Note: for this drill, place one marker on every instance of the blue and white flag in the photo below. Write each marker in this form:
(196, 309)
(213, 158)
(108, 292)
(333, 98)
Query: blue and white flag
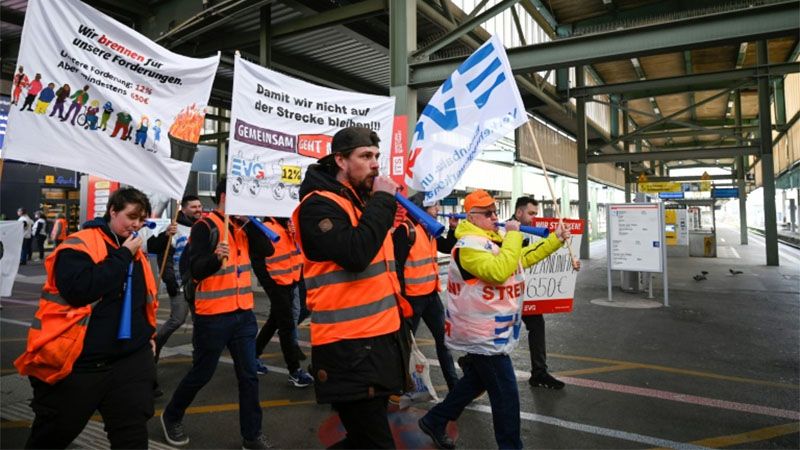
(478, 104)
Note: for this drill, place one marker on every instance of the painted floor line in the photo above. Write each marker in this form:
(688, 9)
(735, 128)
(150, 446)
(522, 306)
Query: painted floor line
(761, 434)
(696, 373)
(684, 398)
(591, 429)
(551, 420)
(591, 370)
(666, 395)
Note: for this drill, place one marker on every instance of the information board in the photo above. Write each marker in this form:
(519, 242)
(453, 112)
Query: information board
(635, 240)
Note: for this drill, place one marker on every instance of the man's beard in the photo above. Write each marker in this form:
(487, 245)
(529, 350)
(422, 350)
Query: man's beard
(363, 187)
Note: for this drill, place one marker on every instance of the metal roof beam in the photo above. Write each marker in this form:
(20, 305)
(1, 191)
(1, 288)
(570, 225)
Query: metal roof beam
(760, 22)
(678, 179)
(12, 16)
(184, 37)
(539, 12)
(722, 131)
(461, 30)
(675, 155)
(631, 90)
(337, 16)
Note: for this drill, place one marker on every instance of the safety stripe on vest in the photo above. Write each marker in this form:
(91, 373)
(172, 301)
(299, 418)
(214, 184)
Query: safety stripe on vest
(279, 258)
(420, 280)
(214, 295)
(36, 324)
(285, 271)
(73, 240)
(354, 312)
(55, 298)
(343, 276)
(421, 262)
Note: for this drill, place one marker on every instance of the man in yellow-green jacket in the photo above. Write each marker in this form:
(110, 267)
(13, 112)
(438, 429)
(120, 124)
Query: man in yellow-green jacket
(484, 309)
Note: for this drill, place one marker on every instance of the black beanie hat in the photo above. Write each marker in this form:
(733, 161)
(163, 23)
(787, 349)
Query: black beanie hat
(352, 137)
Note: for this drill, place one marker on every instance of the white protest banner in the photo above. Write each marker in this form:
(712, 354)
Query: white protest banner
(550, 284)
(11, 233)
(279, 126)
(478, 104)
(96, 96)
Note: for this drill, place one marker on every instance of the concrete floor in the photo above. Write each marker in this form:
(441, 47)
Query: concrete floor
(718, 368)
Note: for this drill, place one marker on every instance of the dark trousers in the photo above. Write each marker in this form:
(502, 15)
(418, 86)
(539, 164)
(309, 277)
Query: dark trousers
(430, 309)
(281, 320)
(495, 375)
(122, 391)
(536, 343)
(40, 238)
(212, 334)
(27, 249)
(366, 423)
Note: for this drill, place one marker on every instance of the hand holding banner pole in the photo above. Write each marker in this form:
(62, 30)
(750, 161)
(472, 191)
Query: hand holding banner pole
(552, 191)
(169, 244)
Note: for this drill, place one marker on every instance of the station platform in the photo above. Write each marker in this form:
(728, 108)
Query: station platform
(718, 368)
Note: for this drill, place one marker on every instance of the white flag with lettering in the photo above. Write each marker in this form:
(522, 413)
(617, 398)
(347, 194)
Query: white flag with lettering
(478, 104)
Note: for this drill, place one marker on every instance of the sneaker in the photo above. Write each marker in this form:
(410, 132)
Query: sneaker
(257, 443)
(546, 380)
(173, 432)
(300, 378)
(261, 369)
(441, 439)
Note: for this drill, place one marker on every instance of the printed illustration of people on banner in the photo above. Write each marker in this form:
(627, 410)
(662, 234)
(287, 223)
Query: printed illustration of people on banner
(279, 126)
(104, 92)
(477, 105)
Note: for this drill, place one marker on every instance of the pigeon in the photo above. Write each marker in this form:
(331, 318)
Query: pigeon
(699, 277)
(735, 272)
(704, 272)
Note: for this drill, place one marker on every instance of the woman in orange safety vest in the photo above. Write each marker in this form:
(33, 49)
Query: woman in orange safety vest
(75, 359)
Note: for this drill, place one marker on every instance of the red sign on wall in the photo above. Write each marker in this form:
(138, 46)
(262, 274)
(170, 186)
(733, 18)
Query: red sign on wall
(399, 151)
(99, 190)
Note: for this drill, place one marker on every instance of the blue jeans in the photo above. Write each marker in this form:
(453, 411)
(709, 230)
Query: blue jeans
(237, 331)
(430, 309)
(495, 375)
(299, 310)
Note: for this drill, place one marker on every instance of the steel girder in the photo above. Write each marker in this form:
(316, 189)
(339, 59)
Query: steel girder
(675, 155)
(761, 22)
(698, 82)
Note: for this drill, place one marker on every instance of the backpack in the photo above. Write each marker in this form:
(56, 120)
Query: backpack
(188, 283)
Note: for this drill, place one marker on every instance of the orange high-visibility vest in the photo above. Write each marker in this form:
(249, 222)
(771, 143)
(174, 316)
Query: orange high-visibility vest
(227, 289)
(62, 232)
(352, 305)
(421, 271)
(286, 264)
(55, 338)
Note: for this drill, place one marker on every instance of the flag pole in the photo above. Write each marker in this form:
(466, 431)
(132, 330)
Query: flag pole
(549, 186)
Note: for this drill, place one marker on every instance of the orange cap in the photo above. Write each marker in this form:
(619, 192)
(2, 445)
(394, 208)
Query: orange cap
(478, 199)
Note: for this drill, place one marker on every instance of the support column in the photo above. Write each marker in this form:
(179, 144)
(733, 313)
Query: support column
(767, 165)
(741, 166)
(779, 97)
(403, 41)
(583, 182)
(517, 172)
(626, 146)
(265, 36)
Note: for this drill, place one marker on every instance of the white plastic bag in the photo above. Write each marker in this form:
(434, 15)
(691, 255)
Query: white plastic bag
(420, 371)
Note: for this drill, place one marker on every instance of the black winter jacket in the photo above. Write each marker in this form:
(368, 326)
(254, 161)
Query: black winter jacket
(80, 281)
(354, 369)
